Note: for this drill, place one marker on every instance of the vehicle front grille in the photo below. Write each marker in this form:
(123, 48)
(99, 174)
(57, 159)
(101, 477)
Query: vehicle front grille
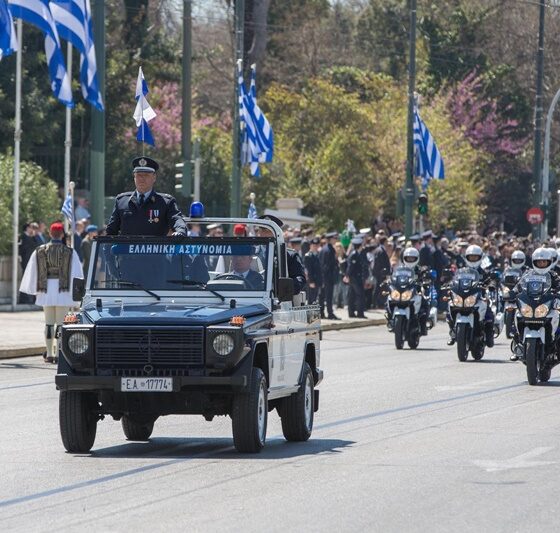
(134, 348)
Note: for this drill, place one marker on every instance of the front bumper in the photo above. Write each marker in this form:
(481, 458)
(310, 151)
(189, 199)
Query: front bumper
(67, 382)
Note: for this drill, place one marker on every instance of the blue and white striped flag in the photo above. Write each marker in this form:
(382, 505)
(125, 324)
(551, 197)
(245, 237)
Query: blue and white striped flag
(38, 13)
(73, 21)
(67, 210)
(8, 40)
(252, 213)
(258, 138)
(429, 163)
(143, 112)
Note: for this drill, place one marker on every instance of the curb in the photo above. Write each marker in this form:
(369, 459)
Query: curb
(12, 353)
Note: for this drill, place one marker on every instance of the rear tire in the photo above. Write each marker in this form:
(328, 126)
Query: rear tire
(249, 415)
(414, 339)
(297, 410)
(462, 337)
(531, 360)
(134, 430)
(477, 350)
(399, 332)
(78, 420)
(544, 375)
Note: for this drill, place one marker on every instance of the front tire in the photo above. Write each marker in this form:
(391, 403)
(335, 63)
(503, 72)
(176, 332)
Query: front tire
(78, 420)
(134, 430)
(297, 410)
(462, 337)
(509, 324)
(531, 360)
(249, 415)
(399, 331)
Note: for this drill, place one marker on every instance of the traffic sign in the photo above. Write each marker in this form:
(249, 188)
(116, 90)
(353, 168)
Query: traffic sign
(535, 215)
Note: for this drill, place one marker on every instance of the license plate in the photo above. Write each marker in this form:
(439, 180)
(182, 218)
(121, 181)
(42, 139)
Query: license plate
(147, 384)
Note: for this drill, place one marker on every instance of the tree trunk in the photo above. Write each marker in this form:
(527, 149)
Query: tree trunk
(256, 30)
(136, 23)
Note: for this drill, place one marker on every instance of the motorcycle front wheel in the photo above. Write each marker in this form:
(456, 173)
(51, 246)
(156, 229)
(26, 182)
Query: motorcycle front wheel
(508, 319)
(462, 336)
(400, 331)
(532, 360)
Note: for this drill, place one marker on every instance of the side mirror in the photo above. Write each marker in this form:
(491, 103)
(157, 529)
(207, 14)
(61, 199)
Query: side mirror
(285, 289)
(78, 289)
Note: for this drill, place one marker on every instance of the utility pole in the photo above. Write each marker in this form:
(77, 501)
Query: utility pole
(545, 200)
(186, 147)
(97, 158)
(409, 187)
(537, 160)
(235, 201)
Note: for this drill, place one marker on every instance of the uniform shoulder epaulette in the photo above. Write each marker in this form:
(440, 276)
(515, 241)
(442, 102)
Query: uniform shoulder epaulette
(123, 194)
(165, 195)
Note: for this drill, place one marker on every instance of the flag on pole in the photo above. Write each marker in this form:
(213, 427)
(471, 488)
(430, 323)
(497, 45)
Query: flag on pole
(257, 136)
(252, 213)
(8, 40)
(429, 163)
(67, 210)
(143, 112)
(73, 22)
(38, 13)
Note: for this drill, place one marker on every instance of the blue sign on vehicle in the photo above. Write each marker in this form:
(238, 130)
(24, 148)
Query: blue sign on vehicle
(183, 249)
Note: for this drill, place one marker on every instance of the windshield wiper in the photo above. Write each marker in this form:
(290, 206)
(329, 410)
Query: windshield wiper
(132, 284)
(194, 283)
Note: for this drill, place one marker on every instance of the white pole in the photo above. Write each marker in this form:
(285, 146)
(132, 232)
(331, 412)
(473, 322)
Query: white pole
(17, 141)
(71, 186)
(68, 139)
(546, 166)
(197, 162)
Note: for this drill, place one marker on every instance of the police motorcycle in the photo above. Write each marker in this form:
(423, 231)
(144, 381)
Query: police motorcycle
(537, 341)
(469, 316)
(407, 309)
(510, 279)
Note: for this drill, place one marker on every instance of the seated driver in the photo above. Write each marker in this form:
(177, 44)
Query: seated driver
(241, 266)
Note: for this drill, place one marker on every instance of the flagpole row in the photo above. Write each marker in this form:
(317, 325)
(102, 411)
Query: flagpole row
(68, 137)
(17, 142)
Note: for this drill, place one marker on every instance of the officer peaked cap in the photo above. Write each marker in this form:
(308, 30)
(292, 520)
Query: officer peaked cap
(144, 164)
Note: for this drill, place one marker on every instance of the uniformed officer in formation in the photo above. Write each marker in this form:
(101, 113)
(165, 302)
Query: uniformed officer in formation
(313, 270)
(145, 211)
(356, 276)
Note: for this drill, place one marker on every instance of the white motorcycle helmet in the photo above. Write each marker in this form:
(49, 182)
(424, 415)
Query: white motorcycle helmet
(410, 257)
(542, 260)
(518, 259)
(473, 256)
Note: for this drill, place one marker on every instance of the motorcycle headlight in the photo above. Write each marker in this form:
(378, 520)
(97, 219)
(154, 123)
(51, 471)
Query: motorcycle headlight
(395, 295)
(406, 296)
(457, 300)
(78, 343)
(526, 310)
(470, 301)
(223, 344)
(541, 311)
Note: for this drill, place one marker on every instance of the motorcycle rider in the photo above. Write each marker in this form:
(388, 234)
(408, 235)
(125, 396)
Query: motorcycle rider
(518, 260)
(543, 263)
(473, 259)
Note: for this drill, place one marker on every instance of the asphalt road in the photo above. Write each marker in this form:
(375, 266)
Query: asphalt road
(404, 441)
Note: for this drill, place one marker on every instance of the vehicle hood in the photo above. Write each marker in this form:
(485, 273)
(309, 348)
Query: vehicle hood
(170, 314)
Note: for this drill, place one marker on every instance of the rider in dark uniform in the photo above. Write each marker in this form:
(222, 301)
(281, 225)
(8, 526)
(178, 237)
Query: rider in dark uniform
(313, 270)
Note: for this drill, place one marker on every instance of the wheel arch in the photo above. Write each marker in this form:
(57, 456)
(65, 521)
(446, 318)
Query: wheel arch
(260, 358)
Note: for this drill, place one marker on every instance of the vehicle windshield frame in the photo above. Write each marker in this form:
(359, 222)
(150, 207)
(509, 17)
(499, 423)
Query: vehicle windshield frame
(186, 290)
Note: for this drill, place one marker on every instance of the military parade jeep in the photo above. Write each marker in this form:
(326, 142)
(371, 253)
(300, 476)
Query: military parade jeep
(189, 325)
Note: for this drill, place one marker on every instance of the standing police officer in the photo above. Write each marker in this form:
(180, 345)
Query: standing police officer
(145, 211)
(356, 276)
(313, 270)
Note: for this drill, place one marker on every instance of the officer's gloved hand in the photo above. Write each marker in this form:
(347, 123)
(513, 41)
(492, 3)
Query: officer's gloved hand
(177, 234)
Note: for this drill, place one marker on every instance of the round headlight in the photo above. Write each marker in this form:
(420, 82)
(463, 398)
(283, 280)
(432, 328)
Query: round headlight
(223, 344)
(541, 311)
(78, 343)
(457, 300)
(526, 311)
(406, 296)
(470, 301)
(395, 295)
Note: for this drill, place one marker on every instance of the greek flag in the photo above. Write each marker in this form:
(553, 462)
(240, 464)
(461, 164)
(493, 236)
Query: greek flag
(8, 41)
(429, 163)
(73, 21)
(258, 138)
(67, 210)
(143, 112)
(252, 213)
(38, 13)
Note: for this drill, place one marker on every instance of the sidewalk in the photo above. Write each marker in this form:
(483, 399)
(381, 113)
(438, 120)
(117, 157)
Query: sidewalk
(21, 334)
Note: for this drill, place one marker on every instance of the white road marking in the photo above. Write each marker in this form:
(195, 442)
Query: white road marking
(521, 461)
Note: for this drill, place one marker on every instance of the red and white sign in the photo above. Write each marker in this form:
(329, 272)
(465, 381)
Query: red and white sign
(535, 215)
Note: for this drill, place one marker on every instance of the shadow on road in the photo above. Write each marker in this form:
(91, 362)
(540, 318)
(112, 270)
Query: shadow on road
(216, 448)
(27, 366)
